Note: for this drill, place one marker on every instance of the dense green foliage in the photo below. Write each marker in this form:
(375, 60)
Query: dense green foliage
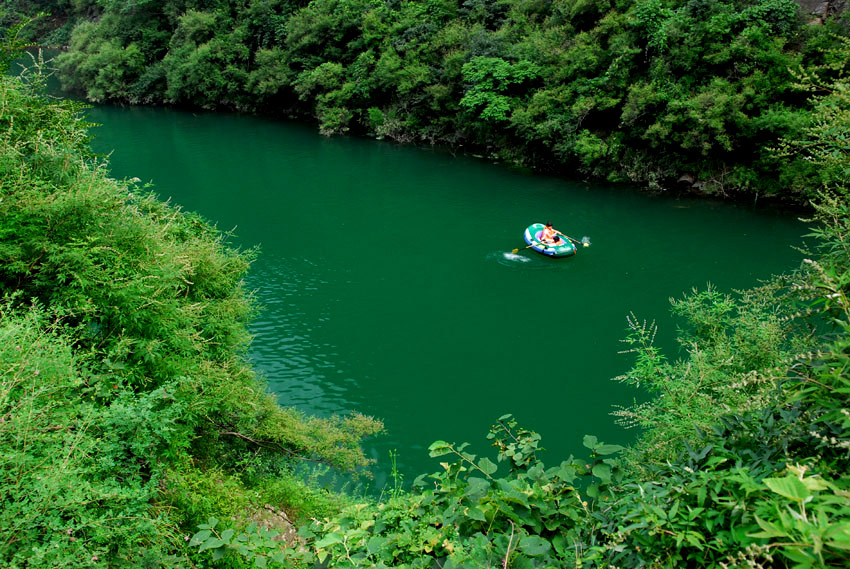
(670, 93)
(128, 413)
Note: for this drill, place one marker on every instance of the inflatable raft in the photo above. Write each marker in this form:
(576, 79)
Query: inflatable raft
(563, 248)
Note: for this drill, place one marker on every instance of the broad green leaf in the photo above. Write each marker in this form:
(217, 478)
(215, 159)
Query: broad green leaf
(375, 544)
(560, 543)
(328, 540)
(517, 496)
(439, 448)
(673, 510)
(603, 472)
(519, 562)
(695, 539)
(693, 513)
(845, 545)
(589, 441)
(715, 461)
(789, 486)
(486, 465)
(211, 522)
(815, 483)
(227, 535)
(218, 553)
(210, 543)
(261, 561)
(838, 536)
(199, 538)
(701, 495)
(661, 514)
(534, 546)
(607, 449)
(566, 473)
(477, 488)
(801, 557)
(475, 514)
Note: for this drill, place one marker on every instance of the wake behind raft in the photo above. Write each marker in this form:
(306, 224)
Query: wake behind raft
(563, 248)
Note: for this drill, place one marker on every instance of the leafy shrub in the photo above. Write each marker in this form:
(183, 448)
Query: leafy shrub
(76, 481)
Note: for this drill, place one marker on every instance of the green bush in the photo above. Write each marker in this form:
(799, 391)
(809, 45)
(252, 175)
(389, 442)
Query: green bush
(76, 480)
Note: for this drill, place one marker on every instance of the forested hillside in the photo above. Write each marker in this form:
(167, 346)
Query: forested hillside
(668, 93)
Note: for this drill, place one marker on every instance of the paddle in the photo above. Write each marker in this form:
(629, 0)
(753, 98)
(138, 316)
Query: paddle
(515, 251)
(574, 241)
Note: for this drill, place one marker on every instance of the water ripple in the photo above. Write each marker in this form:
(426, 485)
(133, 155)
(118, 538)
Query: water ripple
(527, 260)
(287, 349)
(515, 258)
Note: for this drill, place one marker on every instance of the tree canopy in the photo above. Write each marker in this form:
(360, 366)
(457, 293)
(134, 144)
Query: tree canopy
(671, 93)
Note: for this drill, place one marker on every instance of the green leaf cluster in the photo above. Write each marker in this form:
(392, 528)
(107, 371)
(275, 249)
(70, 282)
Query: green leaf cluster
(466, 516)
(255, 544)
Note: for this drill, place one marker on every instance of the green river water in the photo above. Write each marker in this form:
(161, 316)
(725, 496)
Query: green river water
(388, 286)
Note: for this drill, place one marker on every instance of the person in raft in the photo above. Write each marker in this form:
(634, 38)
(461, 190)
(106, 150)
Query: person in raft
(549, 235)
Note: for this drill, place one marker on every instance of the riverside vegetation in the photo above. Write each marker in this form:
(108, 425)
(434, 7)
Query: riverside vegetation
(134, 434)
(128, 413)
(667, 93)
